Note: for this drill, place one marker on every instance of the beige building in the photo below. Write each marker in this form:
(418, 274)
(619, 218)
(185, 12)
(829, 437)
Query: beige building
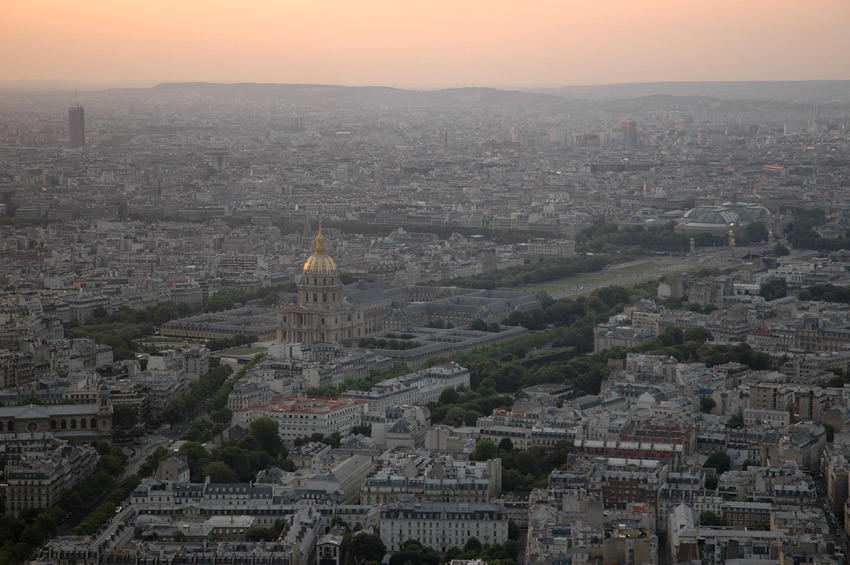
(303, 416)
(75, 422)
(38, 479)
(327, 313)
(321, 315)
(442, 525)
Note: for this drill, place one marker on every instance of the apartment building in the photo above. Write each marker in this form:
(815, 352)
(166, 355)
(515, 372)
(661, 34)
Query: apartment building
(442, 525)
(302, 416)
(37, 479)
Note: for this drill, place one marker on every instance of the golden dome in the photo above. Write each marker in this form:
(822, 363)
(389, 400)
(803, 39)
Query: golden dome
(320, 263)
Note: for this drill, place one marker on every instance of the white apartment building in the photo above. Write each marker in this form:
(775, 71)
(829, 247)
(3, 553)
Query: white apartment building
(38, 479)
(421, 387)
(302, 416)
(442, 525)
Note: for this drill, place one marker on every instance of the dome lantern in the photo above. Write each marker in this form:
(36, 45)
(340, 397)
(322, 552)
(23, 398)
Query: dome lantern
(320, 263)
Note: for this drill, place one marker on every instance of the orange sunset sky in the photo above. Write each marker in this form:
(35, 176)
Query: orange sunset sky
(425, 44)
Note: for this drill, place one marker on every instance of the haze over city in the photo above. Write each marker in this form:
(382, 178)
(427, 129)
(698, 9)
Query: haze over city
(425, 45)
(430, 283)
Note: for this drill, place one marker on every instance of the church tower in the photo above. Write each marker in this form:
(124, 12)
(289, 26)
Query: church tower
(320, 287)
(321, 315)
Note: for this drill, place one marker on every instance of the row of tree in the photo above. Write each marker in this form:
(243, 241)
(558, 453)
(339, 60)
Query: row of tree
(802, 234)
(826, 293)
(382, 343)
(550, 270)
(237, 340)
(602, 237)
(227, 300)
(219, 400)
(499, 236)
(180, 409)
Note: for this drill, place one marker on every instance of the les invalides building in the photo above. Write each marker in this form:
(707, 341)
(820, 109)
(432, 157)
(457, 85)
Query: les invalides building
(321, 315)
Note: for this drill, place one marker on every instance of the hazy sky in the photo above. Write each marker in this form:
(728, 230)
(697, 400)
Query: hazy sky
(425, 44)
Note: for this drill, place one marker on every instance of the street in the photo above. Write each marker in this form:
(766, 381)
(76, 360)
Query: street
(838, 533)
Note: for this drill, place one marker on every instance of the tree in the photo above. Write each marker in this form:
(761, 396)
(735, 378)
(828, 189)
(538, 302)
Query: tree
(259, 534)
(756, 232)
(511, 549)
(736, 421)
(780, 250)
(237, 459)
(412, 545)
(526, 462)
(513, 530)
(698, 334)
(219, 472)
(175, 412)
(268, 435)
(774, 289)
(719, 461)
(455, 416)
(677, 334)
(484, 450)
(506, 444)
(123, 417)
(830, 432)
(222, 416)
(367, 547)
(709, 518)
(196, 455)
(332, 440)
(472, 544)
(706, 404)
(448, 396)
(471, 417)
(164, 312)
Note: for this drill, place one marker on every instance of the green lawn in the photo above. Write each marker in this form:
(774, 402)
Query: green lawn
(575, 280)
(634, 269)
(593, 278)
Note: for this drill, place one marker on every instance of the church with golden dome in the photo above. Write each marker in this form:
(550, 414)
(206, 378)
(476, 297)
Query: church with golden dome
(321, 315)
(327, 313)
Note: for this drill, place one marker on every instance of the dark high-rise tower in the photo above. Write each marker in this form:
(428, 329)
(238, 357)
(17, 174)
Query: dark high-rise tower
(76, 126)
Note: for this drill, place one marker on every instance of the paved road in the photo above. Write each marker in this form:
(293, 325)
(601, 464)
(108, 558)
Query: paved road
(835, 528)
(136, 454)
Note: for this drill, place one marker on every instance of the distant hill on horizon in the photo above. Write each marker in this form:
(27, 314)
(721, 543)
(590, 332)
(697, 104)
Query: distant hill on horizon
(47, 84)
(786, 91)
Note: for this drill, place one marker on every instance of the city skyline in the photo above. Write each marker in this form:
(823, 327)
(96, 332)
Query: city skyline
(426, 46)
